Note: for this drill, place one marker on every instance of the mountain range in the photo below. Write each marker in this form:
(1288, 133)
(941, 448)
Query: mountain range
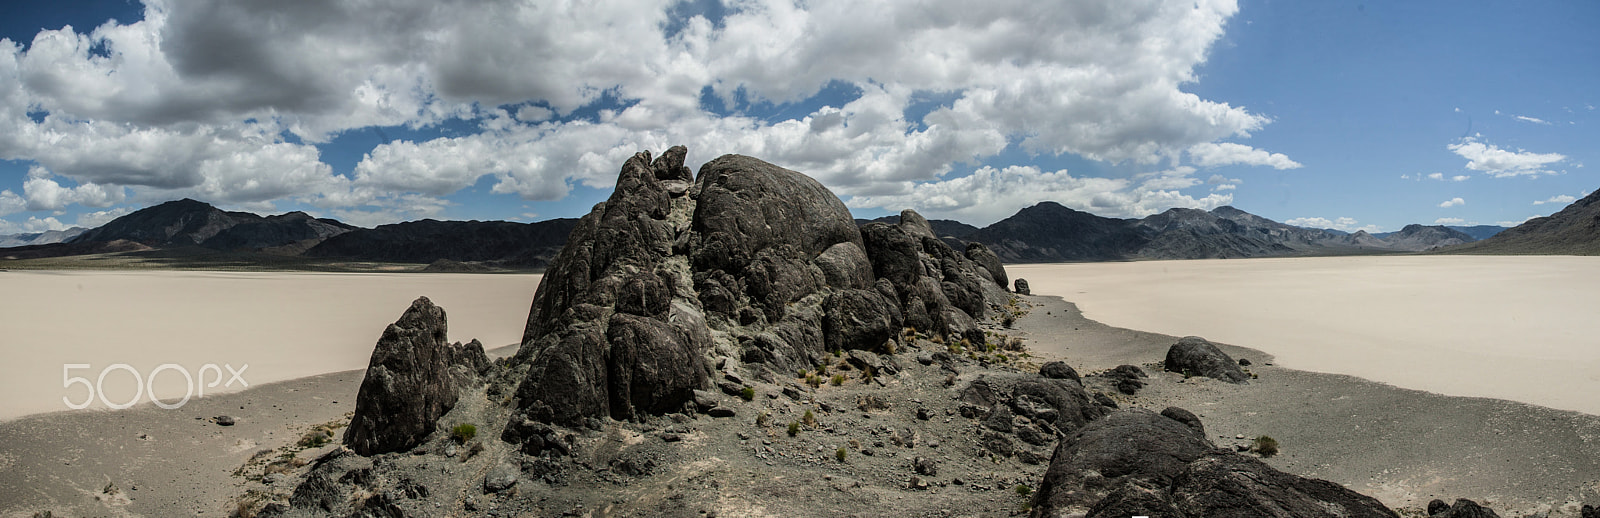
(1575, 230)
(1046, 232)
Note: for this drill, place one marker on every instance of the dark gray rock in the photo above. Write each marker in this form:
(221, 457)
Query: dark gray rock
(1184, 416)
(925, 466)
(1137, 463)
(1021, 287)
(1462, 508)
(1059, 370)
(1588, 511)
(223, 420)
(1194, 356)
(745, 205)
(859, 319)
(989, 261)
(501, 477)
(654, 369)
(414, 377)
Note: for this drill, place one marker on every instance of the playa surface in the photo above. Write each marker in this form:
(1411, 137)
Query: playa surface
(267, 326)
(1517, 328)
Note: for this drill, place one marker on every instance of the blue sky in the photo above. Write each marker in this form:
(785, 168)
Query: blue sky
(1348, 115)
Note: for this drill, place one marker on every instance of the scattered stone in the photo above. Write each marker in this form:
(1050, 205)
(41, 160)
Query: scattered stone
(721, 412)
(1195, 356)
(868, 403)
(1021, 287)
(1059, 370)
(705, 400)
(1462, 508)
(1243, 362)
(916, 483)
(501, 477)
(223, 420)
(925, 466)
(922, 414)
(670, 437)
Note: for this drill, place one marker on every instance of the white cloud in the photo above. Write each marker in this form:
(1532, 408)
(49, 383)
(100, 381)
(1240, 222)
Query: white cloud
(1562, 199)
(1449, 221)
(990, 194)
(1345, 224)
(1502, 163)
(1530, 119)
(1436, 176)
(1459, 178)
(44, 193)
(1214, 154)
(1453, 202)
(194, 100)
(95, 219)
(10, 203)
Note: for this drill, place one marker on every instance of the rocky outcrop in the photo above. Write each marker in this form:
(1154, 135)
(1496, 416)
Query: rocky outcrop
(1138, 463)
(1463, 508)
(750, 261)
(1195, 356)
(414, 377)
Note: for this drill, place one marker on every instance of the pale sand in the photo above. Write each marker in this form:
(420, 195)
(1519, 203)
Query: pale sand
(1517, 328)
(282, 325)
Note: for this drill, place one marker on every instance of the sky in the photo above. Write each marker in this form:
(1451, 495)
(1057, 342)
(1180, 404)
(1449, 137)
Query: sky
(1336, 114)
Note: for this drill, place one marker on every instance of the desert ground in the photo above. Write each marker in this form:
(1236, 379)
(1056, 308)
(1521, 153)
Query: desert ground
(1384, 439)
(283, 325)
(1517, 328)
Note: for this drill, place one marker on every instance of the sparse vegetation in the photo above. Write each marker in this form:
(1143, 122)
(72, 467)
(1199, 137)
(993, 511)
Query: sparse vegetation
(1266, 446)
(464, 432)
(1023, 490)
(809, 419)
(794, 428)
(839, 454)
(748, 393)
(838, 379)
(814, 381)
(763, 419)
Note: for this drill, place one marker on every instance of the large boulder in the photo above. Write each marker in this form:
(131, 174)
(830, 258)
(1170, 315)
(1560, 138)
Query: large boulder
(745, 205)
(1138, 463)
(414, 377)
(989, 261)
(1194, 356)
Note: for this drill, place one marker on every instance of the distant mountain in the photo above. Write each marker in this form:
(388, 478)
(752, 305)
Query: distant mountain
(1478, 232)
(427, 241)
(1574, 230)
(1050, 232)
(188, 222)
(40, 238)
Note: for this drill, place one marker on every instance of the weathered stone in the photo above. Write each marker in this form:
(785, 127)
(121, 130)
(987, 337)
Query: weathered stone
(501, 477)
(846, 266)
(989, 261)
(414, 377)
(1184, 416)
(859, 319)
(1020, 286)
(654, 369)
(223, 420)
(1059, 370)
(1194, 356)
(925, 466)
(1462, 508)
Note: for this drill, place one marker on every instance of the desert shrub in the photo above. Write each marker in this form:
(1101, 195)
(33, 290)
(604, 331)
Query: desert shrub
(814, 380)
(866, 375)
(838, 379)
(809, 419)
(794, 428)
(1023, 489)
(839, 454)
(1008, 320)
(464, 432)
(747, 393)
(763, 419)
(989, 347)
(936, 339)
(316, 437)
(803, 373)
(1266, 446)
(822, 370)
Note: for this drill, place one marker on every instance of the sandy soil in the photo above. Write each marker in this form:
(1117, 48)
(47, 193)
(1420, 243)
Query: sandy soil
(282, 325)
(1517, 328)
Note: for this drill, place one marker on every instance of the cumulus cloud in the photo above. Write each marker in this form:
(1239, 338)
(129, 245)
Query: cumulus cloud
(1449, 221)
(1561, 199)
(1225, 153)
(196, 98)
(10, 203)
(1500, 163)
(1345, 224)
(1453, 202)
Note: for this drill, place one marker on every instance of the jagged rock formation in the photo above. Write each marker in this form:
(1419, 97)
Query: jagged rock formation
(1138, 463)
(414, 377)
(1195, 356)
(751, 261)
